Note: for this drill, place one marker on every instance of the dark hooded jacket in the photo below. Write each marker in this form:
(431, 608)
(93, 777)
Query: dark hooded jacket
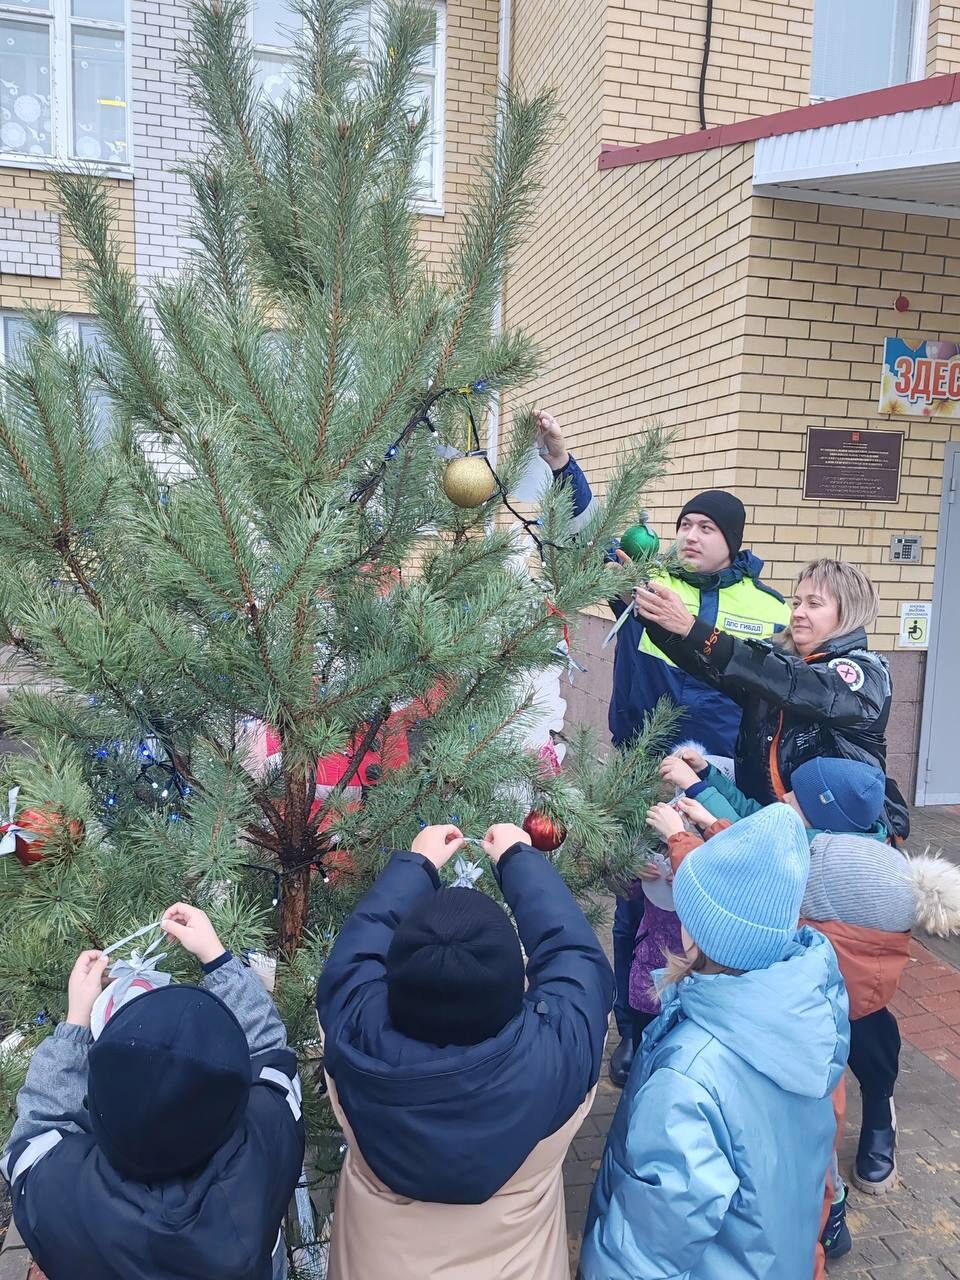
(833, 703)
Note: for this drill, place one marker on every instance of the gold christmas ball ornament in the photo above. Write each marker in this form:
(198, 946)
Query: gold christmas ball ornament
(469, 482)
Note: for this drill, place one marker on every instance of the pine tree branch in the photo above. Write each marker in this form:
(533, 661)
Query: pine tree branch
(188, 351)
(30, 530)
(381, 411)
(261, 402)
(336, 301)
(111, 288)
(80, 414)
(102, 501)
(297, 573)
(176, 545)
(218, 62)
(494, 733)
(19, 643)
(289, 177)
(299, 631)
(165, 649)
(78, 572)
(19, 461)
(393, 283)
(233, 542)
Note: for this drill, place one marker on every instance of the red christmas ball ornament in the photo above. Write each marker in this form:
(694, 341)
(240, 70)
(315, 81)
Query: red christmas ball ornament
(546, 833)
(37, 827)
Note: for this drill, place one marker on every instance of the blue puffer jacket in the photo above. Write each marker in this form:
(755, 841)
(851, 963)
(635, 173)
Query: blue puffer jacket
(714, 1167)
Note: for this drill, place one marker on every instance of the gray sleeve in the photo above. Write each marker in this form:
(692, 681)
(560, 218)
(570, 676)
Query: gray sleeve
(56, 1085)
(246, 997)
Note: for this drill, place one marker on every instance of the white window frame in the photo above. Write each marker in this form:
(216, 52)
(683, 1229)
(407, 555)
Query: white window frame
(919, 37)
(919, 40)
(431, 204)
(59, 18)
(68, 326)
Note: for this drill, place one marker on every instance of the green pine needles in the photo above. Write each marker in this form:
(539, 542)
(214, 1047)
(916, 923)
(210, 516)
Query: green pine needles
(223, 562)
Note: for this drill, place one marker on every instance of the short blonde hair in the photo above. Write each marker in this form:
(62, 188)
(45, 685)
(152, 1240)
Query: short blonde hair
(858, 602)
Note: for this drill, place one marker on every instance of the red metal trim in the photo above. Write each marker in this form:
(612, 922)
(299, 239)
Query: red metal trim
(859, 106)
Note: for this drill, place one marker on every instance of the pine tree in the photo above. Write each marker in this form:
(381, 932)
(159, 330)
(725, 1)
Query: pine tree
(263, 538)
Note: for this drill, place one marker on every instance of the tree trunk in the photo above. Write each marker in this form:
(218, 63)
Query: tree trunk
(294, 904)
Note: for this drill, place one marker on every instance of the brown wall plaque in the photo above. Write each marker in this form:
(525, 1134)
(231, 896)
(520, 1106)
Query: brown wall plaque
(850, 465)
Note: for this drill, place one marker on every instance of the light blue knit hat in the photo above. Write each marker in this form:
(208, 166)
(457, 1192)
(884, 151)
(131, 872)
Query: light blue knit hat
(738, 895)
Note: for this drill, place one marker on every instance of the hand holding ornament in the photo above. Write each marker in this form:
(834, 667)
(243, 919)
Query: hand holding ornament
(501, 837)
(438, 843)
(85, 985)
(191, 927)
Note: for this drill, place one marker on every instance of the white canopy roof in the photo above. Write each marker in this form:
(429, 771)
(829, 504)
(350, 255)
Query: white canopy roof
(907, 161)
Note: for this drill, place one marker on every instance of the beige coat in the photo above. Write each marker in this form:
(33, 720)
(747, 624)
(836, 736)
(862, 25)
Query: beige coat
(519, 1234)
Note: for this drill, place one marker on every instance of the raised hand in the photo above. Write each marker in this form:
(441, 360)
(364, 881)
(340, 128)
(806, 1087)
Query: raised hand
(678, 773)
(85, 984)
(665, 820)
(697, 813)
(501, 837)
(659, 604)
(692, 757)
(550, 440)
(438, 844)
(192, 929)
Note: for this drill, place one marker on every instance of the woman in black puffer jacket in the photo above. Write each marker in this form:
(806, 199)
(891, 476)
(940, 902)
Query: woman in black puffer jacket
(815, 690)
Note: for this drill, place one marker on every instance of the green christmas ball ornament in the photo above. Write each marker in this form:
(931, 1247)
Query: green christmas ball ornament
(639, 541)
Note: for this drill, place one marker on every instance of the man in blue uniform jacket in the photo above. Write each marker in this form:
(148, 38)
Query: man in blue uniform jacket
(720, 584)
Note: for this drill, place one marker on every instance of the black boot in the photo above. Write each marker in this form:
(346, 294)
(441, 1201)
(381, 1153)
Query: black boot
(875, 1168)
(836, 1235)
(621, 1061)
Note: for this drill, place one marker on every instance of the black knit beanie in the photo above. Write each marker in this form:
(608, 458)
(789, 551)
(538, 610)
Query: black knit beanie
(454, 970)
(725, 510)
(167, 1082)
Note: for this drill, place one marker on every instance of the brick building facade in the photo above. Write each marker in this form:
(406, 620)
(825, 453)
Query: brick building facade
(664, 286)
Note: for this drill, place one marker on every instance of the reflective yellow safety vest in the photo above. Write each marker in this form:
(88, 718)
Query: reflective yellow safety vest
(738, 604)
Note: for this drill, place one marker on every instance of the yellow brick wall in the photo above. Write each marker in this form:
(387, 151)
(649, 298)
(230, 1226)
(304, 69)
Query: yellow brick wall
(634, 285)
(943, 45)
(469, 105)
(470, 111)
(823, 281)
(33, 189)
(759, 63)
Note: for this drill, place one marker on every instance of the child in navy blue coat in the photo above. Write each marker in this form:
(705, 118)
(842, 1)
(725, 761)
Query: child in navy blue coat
(459, 1075)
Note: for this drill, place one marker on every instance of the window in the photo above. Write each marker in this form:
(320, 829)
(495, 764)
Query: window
(274, 27)
(16, 330)
(63, 80)
(859, 45)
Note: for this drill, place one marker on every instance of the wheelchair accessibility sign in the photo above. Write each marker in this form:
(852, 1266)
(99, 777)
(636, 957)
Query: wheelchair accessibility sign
(915, 624)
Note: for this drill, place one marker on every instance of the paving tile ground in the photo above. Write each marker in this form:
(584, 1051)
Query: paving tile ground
(913, 1233)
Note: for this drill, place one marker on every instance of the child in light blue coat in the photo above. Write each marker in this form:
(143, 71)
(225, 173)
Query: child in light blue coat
(714, 1166)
